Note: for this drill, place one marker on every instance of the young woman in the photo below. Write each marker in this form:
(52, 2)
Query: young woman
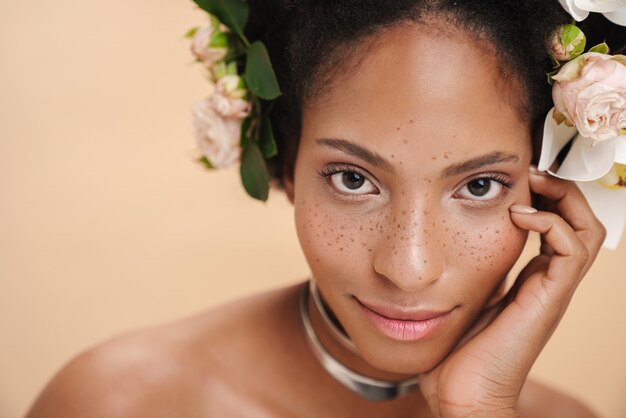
(406, 136)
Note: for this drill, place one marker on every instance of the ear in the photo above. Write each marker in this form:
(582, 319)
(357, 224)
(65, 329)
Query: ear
(289, 188)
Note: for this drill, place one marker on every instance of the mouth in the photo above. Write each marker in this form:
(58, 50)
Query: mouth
(404, 325)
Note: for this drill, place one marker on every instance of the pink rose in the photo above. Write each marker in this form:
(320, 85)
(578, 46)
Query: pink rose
(590, 93)
(203, 51)
(217, 138)
(227, 98)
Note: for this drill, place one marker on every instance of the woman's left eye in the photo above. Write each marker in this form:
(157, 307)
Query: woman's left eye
(484, 188)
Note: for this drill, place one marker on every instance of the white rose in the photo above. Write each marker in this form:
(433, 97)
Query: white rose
(217, 138)
(227, 98)
(614, 10)
(201, 49)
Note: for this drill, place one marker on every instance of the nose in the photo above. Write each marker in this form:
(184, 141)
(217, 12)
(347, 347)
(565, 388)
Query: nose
(411, 254)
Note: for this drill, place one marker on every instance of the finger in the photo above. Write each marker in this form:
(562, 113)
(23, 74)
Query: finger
(570, 203)
(565, 267)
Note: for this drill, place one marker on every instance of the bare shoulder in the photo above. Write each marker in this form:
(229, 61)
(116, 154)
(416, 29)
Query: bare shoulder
(172, 369)
(539, 400)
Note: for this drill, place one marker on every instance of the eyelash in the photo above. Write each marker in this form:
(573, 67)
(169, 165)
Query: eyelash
(328, 171)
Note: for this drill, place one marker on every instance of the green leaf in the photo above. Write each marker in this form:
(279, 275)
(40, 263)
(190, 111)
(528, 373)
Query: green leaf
(233, 13)
(206, 163)
(254, 175)
(218, 39)
(550, 74)
(191, 32)
(259, 75)
(243, 138)
(602, 48)
(267, 142)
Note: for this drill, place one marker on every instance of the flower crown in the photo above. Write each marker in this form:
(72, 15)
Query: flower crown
(587, 123)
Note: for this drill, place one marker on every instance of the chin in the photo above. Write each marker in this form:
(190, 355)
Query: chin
(409, 358)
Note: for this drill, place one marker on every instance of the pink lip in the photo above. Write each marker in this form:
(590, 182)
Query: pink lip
(404, 325)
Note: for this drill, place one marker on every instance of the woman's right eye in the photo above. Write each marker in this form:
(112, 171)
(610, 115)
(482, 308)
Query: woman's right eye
(349, 181)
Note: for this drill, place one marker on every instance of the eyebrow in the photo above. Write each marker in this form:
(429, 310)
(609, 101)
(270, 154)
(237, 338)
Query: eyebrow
(480, 161)
(379, 161)
(356, 150)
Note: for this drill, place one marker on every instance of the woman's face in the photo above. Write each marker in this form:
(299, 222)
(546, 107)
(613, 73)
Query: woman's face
(404, 177)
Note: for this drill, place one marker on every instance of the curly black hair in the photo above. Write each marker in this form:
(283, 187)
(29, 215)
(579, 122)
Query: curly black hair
(311, 41)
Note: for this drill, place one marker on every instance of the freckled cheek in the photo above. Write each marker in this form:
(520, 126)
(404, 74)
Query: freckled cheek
(486, 247)
(329, 240)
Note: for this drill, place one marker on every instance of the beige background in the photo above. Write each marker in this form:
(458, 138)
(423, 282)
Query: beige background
(106, 225)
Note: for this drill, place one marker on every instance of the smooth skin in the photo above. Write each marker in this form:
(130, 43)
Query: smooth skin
(249, 357)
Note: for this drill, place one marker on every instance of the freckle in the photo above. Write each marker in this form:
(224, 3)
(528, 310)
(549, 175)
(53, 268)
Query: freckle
(419, 278)
(461, 254)
(405, 141)
(315, 215)
(400, 162)
(480, 236)
(443, 221)
(308, 241)
(360, 228)
(430, 181)
(397, 128)
(497, 231)
(369, 249)
(330, 244)
(411, 120)
(371, 229)
(395, 253)
(404, 212)
(433, 158)
(341, 236)
(317, 204)
(426, 212)
(393, 156)
(317, 260)
(352, 239)
(340, 248)
(425, 261)
(444, 245)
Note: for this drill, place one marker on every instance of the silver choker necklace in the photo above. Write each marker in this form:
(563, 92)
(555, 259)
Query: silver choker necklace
(369, 388)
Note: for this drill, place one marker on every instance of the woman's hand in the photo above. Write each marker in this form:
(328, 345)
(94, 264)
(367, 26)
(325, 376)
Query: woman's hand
(485, 373)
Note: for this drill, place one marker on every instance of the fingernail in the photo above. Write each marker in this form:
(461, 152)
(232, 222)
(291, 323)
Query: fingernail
(522, 209)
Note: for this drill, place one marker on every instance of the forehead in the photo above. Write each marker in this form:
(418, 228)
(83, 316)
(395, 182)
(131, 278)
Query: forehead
(435, 87)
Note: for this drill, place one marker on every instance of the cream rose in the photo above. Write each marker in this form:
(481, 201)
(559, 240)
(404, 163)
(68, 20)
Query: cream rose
(614, 10)
(227, 98)
(217, 137)
(590, 93)
(203, 51)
